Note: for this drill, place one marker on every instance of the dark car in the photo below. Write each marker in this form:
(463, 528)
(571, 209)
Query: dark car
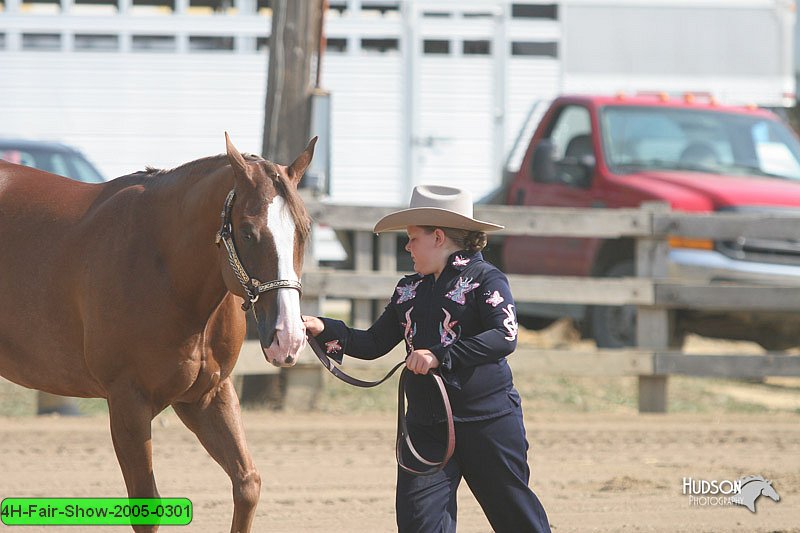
(53, 157)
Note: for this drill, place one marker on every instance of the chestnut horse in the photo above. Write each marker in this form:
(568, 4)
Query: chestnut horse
(121, 291)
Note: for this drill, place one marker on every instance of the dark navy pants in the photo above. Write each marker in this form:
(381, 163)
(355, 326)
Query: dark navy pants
(491, 455)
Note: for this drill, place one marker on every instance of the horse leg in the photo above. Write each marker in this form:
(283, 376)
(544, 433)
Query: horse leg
(130, 417)
(218, 426)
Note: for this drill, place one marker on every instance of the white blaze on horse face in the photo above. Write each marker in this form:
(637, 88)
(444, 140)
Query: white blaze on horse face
(289, 331)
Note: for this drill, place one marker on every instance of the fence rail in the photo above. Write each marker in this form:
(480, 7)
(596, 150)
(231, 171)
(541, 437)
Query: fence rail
(653, 221)
(374, 276)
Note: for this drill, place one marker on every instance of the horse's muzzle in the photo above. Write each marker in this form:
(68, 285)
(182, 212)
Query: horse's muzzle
(285, 348)
(281, 340)
(280, 326)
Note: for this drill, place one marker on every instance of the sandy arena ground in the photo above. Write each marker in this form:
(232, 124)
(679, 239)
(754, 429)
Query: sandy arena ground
(322, 473)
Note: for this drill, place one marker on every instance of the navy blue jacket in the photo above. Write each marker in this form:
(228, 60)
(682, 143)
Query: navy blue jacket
(466, 318)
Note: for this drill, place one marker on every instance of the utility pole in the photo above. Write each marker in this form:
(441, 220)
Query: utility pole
(294, 57)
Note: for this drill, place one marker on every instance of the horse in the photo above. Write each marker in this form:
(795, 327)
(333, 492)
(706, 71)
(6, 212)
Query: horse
(123, 291)
(752, 487)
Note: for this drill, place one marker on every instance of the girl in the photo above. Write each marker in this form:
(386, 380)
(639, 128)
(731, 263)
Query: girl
(456, 316)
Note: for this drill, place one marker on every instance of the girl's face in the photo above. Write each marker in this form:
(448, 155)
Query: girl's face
(428, 250)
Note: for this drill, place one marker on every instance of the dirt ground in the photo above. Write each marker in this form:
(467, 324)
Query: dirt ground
(597, 465)
(324, 473)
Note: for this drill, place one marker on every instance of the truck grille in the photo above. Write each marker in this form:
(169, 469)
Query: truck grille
(762, 250)
(775, 251)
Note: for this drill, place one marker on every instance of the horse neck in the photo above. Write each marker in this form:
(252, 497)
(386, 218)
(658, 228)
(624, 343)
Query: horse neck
(192, 205)
(753, 488)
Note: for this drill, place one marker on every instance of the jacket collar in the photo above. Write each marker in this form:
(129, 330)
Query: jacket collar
(461, 259)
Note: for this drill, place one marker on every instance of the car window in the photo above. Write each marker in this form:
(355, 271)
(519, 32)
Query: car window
(70, 164)
(83, 171)
(19, 157)
(57, 164)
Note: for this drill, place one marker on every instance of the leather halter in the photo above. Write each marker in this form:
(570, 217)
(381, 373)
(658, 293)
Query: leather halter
(402, 427)
(252, 286)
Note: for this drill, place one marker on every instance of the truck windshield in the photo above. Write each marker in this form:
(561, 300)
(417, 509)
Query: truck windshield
(641, 137)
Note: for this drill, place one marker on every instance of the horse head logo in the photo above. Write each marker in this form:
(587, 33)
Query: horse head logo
(751, 488)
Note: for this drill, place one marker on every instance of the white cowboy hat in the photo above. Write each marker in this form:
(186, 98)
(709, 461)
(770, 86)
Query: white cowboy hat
(436, 205)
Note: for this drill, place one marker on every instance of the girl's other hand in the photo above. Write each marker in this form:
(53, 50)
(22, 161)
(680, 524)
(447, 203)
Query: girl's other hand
(421, 361)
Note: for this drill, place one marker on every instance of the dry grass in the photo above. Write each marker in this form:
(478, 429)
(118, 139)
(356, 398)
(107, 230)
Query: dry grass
(540, 393)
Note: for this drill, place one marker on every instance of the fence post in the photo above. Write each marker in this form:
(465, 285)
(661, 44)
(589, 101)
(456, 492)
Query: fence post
(311, 305)
(387, 262)
(363, 251)
(652, 322)
(304, 381)
(387, 246)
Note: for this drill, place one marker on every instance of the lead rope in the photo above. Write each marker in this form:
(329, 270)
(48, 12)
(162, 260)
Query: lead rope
(402, 427)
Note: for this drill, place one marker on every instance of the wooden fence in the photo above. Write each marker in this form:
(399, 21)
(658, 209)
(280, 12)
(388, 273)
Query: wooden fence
(650, 291)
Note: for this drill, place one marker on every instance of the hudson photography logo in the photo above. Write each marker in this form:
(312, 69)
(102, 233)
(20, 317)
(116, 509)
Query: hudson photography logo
(728, 492)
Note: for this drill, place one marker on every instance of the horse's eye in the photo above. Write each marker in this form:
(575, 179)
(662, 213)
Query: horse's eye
(247, 235)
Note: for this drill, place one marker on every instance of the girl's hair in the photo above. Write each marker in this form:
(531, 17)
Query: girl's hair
(471, 241)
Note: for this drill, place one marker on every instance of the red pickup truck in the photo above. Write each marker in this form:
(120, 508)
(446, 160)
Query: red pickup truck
(696, 155)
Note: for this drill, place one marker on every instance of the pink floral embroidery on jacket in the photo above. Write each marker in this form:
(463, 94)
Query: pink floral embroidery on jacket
(407, 292)
(510, 322)
(409, 330)
(463, 286)
(333, 346)
(446, 334)
(495, 299)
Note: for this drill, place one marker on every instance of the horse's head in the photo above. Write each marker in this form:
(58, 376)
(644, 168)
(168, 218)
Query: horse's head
(768, 490)
(269, 227)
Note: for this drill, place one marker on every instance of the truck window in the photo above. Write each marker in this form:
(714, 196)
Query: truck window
(573, 121)
(573, 153)
(773, 155)
(638, 138)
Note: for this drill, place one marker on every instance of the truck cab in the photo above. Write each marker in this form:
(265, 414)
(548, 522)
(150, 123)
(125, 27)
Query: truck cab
(689, 152)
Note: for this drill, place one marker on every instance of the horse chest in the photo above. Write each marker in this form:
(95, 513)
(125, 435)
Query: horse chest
(209, 367)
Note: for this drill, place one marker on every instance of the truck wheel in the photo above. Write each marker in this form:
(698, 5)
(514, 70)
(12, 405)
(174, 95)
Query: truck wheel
(775, 343)
(535, 323)
(614, 326)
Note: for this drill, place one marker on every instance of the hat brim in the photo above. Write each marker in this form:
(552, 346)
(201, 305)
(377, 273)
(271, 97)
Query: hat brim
(431, 216)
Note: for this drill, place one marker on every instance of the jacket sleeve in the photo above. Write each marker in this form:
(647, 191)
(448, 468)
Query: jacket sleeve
(499, 320)
(337, 339)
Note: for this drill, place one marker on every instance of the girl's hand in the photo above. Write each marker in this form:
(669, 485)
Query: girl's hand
(313, 325)
(421, 361)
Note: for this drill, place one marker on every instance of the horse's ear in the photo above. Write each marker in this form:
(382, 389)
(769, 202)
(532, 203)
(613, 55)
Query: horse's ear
(299, 166)
(235, 159)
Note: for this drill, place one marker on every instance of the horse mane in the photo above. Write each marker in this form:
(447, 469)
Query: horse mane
(745, 480)
(214, 160)
(285, 189)
(296, 206)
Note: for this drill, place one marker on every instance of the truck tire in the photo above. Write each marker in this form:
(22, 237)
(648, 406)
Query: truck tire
(614, 326)
(535, 323)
